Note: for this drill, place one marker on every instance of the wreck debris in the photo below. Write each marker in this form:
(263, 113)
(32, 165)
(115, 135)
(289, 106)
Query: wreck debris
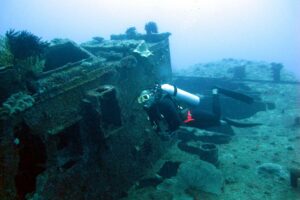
(143, 50)
(294, 177)
(62, 52)
(276, 71)
(85, 113)
(76, 110)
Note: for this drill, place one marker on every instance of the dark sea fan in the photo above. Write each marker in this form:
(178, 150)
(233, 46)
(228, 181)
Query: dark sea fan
(23, 44)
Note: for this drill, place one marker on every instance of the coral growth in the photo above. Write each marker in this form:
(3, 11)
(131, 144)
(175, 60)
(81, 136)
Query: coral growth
(6, 58)
(151, 28)
(31, 66)
(194, 175)
(129, 62)
(272, 170)
(131, 32)
(16, 103)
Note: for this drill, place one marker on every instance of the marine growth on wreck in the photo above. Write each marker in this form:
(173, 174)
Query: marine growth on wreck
(72, 126)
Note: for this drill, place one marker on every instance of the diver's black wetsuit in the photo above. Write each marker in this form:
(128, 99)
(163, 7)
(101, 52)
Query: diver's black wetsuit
(162, 105)
(203, 119)
(166, 107)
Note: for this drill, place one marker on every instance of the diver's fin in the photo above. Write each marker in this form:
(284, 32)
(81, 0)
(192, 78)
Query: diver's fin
(236, 95)
(240, 124)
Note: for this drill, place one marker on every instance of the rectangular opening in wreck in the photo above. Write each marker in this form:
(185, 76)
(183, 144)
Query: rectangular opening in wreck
(32, 160)
(104, 99)
(69, 147)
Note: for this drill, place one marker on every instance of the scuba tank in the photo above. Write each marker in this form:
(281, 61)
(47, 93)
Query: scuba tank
(181, 95)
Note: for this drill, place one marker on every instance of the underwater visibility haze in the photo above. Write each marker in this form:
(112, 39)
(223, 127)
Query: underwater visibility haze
(151, 100)
(202, 31)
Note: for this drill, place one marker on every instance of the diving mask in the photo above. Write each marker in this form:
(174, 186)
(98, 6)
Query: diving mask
(144, 97)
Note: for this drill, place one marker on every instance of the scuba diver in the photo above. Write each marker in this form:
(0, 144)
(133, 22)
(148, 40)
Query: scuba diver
(161, 104)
